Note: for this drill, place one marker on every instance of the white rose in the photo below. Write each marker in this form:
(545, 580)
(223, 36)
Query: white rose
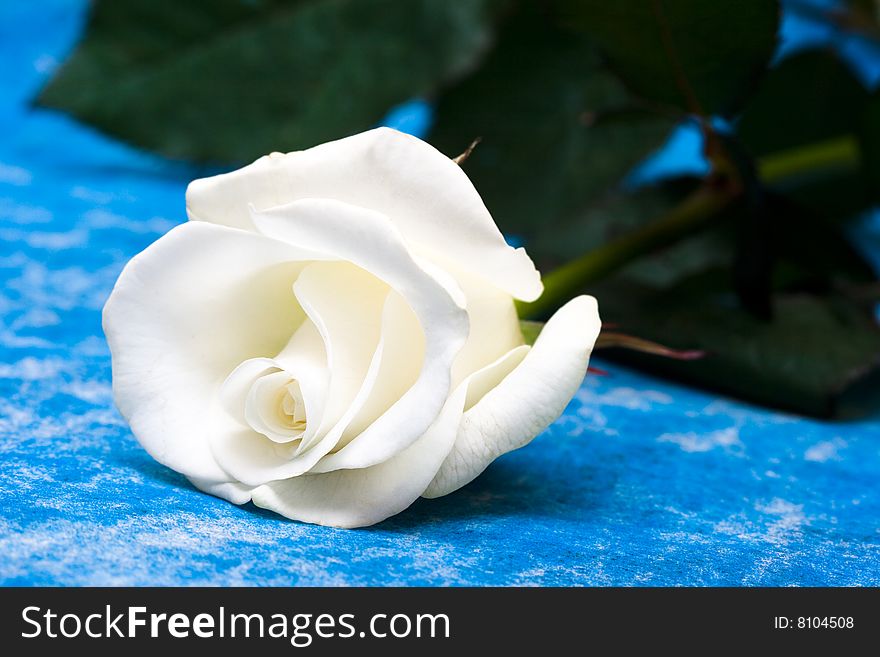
(333, 334)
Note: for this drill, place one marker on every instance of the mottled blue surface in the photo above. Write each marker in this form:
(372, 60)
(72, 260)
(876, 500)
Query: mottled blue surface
(640, 482)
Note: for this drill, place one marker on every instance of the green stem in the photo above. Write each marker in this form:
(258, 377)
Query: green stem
(690, 216)
(835, 154)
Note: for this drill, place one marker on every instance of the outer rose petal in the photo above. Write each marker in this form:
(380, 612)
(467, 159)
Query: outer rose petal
(228, 490)
(527, 400)
(494, 326)
(365, 496)
(184, 313)
(425, 194)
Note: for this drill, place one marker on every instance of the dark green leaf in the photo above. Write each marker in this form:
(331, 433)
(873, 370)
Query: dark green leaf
(606, 218)
(819, 249)
(814, 351)
(805, 124)
(783, 245)
(808, 253)
(557, 129)
(835, 196)
(709, 248)
(231, 80)
(698, 56)
(809, 98)
(758, 241)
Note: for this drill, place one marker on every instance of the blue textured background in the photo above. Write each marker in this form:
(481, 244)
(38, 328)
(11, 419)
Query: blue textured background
(640, 482)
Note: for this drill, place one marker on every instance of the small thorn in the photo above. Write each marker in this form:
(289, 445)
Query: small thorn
(467, 152)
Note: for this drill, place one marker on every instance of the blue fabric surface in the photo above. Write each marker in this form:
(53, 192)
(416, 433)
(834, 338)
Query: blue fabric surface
(640, 482)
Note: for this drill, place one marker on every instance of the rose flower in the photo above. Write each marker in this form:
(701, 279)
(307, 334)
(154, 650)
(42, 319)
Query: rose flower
(333, 334)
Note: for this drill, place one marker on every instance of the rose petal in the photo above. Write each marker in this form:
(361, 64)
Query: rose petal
(345, 304)
(527, 400)
(370, 240)
(305, 357)
(425, 194)
(494, 326)
(483, 380)
(231, 491)
(402, 347)
(247, 455)
(362, 497)
(236, 386)
(263, 407)
(184, 313)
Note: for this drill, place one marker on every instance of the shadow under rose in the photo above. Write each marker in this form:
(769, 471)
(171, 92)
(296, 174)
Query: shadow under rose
(508, 487)
(159, 474)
